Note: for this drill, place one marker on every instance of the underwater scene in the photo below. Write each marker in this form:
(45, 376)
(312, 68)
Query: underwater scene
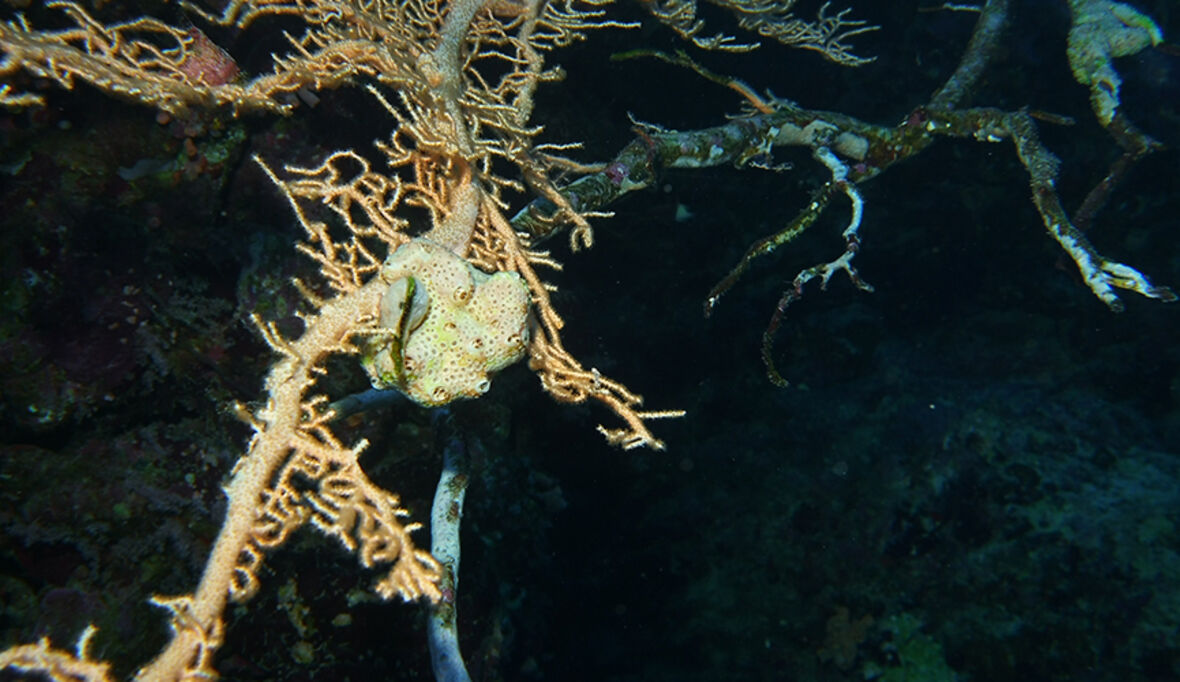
(573, 340)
